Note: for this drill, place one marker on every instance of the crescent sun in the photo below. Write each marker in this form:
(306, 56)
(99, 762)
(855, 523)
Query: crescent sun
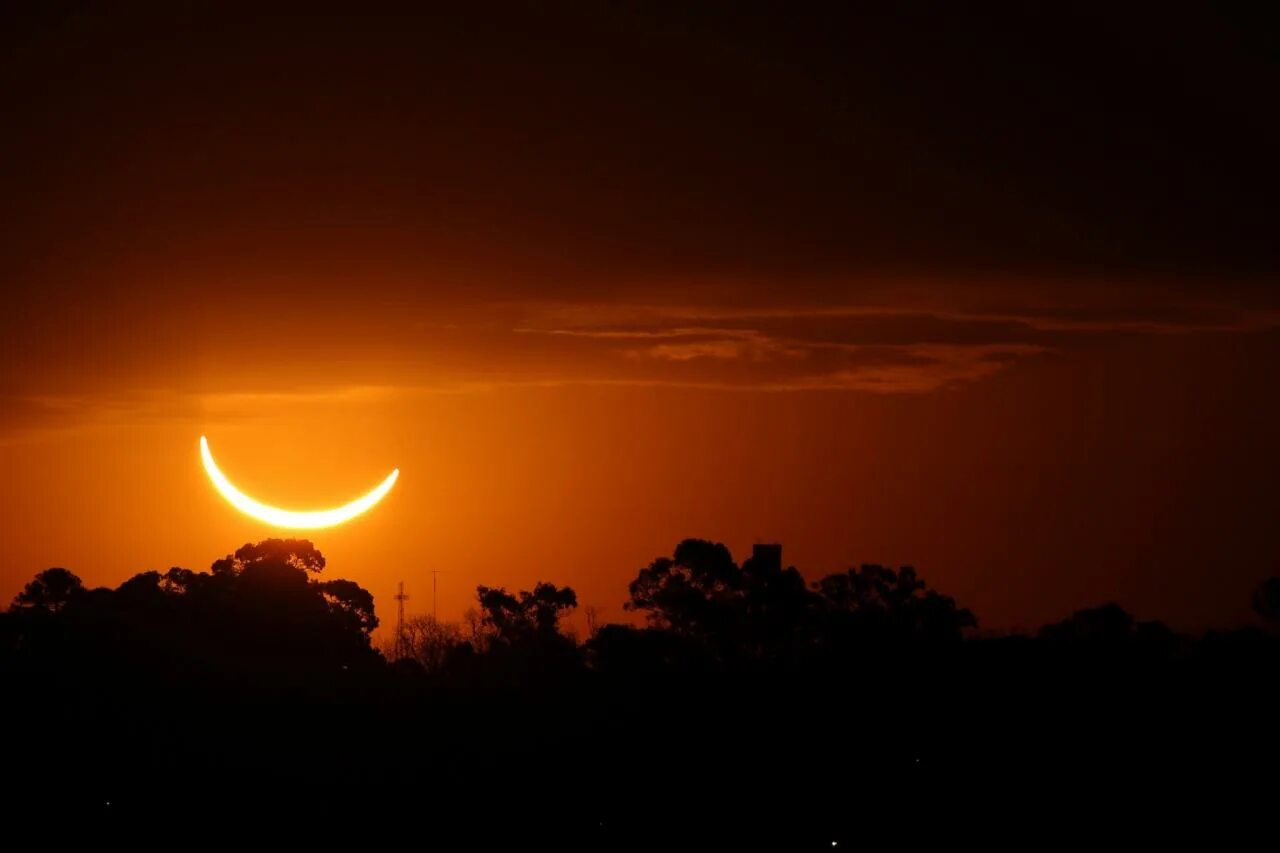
(309, 520)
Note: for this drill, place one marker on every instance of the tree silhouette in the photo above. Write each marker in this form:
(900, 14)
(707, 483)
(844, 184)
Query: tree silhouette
(350, 601)
(180, 581)
(261, 608)
(1266, 601)
(430, 642)
(517, 643)
(546, 604)
(1092, 627)
(260, 670)
(273, 555)
(778, 610)
(50, 590)
(529, 616)
(765, 614)
(1109, 641)
(695, 592)
(876, 603)
(142, 589)
(501, 614)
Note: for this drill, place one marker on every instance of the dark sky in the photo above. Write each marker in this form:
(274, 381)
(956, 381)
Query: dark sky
(667, 137)
(1045, 237)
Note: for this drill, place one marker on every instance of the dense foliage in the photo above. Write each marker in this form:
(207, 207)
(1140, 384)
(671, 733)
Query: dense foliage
(746, 684)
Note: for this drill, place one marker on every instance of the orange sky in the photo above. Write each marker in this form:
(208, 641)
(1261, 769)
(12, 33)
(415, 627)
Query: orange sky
(1118, 468)
(600, 283)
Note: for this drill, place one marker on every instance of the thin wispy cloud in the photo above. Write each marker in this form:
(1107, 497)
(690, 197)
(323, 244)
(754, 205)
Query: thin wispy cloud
(877, 349)
(883, 349)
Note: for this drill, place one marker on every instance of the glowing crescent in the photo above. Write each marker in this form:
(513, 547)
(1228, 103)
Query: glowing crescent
(289, 518)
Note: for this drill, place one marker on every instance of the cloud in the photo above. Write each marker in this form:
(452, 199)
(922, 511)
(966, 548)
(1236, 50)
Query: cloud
(28, 416)
(910, 346)
(883, 349)
(639, 321)
(916, 369)
(720, 344)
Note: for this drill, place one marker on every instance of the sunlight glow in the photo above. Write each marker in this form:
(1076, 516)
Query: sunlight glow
(289, 518)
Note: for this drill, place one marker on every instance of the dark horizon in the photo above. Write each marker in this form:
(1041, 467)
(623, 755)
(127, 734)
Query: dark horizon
(866, 689)
(423, 590)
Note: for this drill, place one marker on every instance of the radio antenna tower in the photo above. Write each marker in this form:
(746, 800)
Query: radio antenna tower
(435, 603)
(402, 641)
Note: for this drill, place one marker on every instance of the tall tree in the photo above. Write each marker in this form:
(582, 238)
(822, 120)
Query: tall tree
(50, 590)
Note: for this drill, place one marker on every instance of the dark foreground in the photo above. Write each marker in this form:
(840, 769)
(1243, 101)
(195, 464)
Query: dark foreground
(755, 714)
(777, 760)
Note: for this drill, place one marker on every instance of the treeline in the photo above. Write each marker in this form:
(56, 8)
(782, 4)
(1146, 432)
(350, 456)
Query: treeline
(705, 614)
(261, 674)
